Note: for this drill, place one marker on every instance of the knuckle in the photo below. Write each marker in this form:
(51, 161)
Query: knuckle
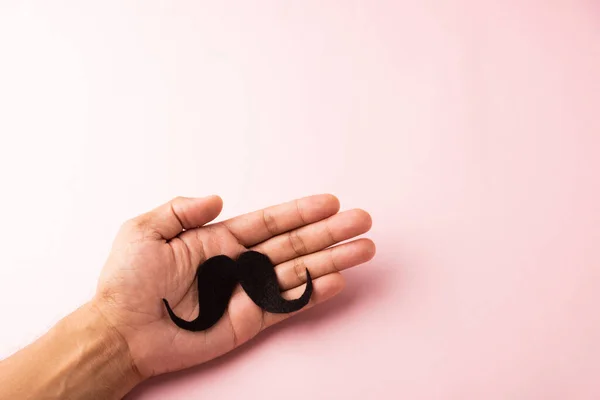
(108, 296)
(299, 212)
(270, 223)
(177, 199)
(134, 224)
(297, 243)
(299, 269)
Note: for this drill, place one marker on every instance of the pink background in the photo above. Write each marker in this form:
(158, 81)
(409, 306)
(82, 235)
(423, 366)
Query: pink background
(469, 129)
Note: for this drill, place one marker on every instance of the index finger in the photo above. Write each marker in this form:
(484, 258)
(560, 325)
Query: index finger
(258, 226)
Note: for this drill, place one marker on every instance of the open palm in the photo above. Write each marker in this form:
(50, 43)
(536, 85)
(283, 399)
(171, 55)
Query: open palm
(156, 256)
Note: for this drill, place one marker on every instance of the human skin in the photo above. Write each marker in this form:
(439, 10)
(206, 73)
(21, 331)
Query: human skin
(123, 335)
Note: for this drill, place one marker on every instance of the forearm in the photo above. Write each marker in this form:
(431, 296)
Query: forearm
(82, 357)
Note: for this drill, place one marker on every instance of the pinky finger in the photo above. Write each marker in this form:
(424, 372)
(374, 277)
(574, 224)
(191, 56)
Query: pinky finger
(324, 288)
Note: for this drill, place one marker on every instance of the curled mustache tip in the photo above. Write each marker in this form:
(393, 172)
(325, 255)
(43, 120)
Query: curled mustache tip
(168, 307)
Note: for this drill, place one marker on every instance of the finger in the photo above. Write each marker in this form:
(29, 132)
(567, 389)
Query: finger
(317, 236)
(170, 219)
(324, 288)
(257, 226)
(335, 259)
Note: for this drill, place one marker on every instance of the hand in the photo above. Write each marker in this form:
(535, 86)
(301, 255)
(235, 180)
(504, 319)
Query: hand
(156, 256)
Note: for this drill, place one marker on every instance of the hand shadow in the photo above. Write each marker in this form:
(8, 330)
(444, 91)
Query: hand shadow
(363, 287)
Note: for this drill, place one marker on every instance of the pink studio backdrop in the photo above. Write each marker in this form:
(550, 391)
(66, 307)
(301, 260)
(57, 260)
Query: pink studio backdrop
(469, 129)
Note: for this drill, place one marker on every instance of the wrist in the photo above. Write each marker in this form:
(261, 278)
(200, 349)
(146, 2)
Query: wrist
(102, 353)
(81, 357)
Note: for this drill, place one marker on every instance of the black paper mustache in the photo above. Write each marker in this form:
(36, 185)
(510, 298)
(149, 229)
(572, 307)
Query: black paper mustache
(217, 278)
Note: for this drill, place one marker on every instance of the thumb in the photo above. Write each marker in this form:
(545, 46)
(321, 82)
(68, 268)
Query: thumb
(170, 219)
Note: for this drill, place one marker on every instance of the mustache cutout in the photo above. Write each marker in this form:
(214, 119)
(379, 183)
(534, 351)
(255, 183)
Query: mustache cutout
(217, 278)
